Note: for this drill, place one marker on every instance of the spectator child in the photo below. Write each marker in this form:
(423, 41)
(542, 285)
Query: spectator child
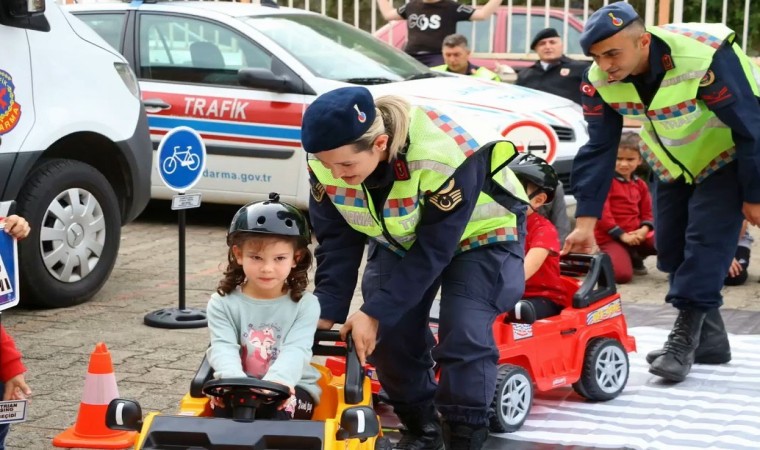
(625, 231)
(261, 320)
(544, 295)
(12, 370)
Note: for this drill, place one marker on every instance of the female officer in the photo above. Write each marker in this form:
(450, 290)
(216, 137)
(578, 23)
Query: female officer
(441, 210)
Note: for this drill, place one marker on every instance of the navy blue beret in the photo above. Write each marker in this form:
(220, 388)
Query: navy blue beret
(606, 22)
(543, 34)
(337, 118)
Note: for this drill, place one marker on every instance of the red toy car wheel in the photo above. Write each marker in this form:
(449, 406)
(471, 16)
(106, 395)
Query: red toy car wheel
(513, 399)
(605, 370)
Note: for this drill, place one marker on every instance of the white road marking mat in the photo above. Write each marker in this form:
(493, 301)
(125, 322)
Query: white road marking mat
(716, 407)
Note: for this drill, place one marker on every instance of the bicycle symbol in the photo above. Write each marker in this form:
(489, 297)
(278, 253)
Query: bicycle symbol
(183, 158)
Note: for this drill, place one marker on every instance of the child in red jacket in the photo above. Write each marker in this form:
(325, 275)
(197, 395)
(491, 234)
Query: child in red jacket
(12, 370)
(626, 230)
(544, 293)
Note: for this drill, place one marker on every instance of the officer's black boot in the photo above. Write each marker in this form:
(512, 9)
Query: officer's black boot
(422, 428)
(676, 362)
(460, 436)
(713, 348)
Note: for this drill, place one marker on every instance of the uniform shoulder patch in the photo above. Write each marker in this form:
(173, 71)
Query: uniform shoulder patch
(318, 191)
(707, 79)
(447, 198)
(588, 89)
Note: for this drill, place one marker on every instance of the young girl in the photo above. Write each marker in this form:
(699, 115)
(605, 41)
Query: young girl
(625, 231)
(261, 320)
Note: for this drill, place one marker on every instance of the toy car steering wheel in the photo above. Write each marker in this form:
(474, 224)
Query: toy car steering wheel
(264, 391)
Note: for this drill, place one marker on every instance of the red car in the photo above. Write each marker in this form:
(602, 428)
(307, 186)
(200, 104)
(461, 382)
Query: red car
(585, 346)
(511, 39)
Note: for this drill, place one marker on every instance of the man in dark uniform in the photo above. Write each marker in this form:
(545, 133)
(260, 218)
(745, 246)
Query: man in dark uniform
(554, 72)
(430, 21)
(697, 95)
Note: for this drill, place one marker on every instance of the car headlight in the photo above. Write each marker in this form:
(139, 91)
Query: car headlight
(128, 77)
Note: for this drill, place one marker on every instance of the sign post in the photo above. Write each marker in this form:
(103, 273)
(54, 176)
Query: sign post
(13, 410)
(180, 163)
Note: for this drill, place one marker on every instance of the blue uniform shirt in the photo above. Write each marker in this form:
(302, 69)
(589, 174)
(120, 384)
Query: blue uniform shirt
(341, 247)
(730, 96)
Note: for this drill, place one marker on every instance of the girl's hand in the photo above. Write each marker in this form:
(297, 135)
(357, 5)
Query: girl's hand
(287, 402)
(16, 388)
(735, 268)
(16, 226)
(215, 402)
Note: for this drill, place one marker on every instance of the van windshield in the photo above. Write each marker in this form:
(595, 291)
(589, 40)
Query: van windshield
(337, 51)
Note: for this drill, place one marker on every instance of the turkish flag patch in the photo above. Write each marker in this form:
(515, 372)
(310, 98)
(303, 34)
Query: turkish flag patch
(588, 89)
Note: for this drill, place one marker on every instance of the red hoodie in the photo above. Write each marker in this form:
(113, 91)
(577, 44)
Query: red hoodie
(10, 357)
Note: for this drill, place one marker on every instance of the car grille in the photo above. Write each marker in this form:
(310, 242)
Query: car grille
(564, 178)
(565, 134)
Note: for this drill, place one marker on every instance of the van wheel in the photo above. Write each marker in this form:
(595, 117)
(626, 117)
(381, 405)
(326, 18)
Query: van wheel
(76, 228)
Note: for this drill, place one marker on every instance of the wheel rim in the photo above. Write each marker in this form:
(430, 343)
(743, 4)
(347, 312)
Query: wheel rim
(515, 399)
(611, 369)
(72, 235)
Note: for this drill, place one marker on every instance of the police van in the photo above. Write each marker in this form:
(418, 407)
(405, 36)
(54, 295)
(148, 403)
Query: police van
(75, 150)
(242, 74)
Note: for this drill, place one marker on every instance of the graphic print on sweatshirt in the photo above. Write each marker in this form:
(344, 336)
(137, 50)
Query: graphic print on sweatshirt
(260, 348)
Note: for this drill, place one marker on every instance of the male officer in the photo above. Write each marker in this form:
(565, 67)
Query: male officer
(456, 58)
(554, 72)
(696, 93)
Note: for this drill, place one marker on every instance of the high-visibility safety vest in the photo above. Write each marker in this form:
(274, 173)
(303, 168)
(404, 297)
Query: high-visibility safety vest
(480, 72)
(437, 147)
(681, 136)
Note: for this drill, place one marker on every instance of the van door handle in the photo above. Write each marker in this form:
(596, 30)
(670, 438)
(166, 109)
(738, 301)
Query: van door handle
(156, 104)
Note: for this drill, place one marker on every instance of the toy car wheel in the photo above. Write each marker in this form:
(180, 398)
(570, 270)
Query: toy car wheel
(383, 443)
(605, 370)
(513, 399)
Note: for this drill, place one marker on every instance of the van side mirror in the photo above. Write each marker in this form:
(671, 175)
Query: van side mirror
(25, 8)
(27, 14)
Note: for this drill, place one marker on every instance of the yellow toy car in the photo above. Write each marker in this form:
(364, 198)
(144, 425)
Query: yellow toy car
(343, 420)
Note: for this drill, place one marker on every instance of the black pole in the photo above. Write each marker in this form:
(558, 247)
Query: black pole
(181, 259)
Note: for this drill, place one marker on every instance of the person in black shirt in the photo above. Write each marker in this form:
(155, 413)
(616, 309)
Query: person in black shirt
(554, 72)
(430, 21)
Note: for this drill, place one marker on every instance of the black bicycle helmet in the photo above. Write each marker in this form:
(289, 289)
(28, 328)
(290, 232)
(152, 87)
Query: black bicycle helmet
(271, 217)
(529, 167)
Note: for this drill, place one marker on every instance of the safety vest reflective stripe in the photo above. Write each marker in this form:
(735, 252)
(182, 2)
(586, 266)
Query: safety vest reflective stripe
(720, 161)
(669, 112)
(657, 167)
(491, 237)
(713, 122)
(435, 166)
(397, 207)
(488, 210)
(694, 74)
(346, 196)
(466, 142)
(699, 36)
(358, 218)
(629, 108)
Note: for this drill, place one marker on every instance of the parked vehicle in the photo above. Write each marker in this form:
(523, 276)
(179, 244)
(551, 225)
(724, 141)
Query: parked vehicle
(243, 74)
(509, 44)
(75, 151)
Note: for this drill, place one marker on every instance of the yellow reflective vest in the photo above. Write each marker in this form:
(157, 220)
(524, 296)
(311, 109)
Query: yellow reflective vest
(438, 145)
(480, 72)
(681, 136)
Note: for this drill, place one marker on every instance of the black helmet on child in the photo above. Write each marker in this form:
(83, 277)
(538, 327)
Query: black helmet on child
(271, 217)
(529, 167)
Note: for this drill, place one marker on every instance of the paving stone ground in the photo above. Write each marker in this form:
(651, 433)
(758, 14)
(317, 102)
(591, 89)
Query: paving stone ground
(155, 365)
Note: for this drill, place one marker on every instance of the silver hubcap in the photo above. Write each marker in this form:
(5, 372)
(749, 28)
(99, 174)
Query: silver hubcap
(611, 369)
(515, 399)
(72, 236)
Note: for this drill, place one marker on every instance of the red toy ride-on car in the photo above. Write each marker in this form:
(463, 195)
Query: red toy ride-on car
(585, 346)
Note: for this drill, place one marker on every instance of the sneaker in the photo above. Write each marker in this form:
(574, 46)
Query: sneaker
(638, 266)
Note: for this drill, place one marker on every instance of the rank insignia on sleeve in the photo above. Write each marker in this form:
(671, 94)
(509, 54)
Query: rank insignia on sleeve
(707, 79)
(318, 191)
(447, 198)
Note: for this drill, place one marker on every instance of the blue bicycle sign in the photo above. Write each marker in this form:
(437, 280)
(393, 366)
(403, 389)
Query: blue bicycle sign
(184, 158)
(181, 158)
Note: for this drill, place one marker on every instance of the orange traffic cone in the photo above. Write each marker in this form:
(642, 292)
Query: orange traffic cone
(90, 429)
